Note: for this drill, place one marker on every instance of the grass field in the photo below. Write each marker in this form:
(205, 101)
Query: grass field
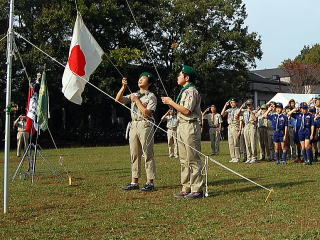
(96, 208)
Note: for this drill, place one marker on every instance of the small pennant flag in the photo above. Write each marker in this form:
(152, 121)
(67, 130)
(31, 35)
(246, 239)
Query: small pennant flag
(84, 57)
(43, 104)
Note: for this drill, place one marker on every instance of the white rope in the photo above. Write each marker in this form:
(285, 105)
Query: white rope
(111, 97)
(117, 70)
(22, 63)
(148, 51)
(3, 38)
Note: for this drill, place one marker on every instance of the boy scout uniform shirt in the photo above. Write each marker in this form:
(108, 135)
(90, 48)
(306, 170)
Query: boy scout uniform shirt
(213, 120)
(304, 120)
(262, 122)
(248, 117)
(231, 117)
(279, 121)
(148, 100)
(190, 99)
(172, 122)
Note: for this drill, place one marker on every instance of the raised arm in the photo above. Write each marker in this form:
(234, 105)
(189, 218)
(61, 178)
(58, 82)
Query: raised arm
(119, 96)
(223, 112)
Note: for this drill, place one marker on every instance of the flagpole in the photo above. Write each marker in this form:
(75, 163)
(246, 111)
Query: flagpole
(8, 111)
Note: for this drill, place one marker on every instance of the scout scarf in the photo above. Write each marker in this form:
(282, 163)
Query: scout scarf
(182, 90)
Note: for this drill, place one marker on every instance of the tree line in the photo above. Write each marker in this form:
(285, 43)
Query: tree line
(208, 34)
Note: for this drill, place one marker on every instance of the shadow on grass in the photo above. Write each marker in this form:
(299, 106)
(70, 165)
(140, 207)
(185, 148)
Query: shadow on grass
(177, 186)
(229, 181)
(254, 188)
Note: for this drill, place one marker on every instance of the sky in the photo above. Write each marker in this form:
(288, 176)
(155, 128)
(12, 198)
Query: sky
(285, 26)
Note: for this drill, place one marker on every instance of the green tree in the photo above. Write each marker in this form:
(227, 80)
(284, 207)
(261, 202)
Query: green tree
(208, 34)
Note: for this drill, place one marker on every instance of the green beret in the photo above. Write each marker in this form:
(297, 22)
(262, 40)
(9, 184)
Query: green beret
(233, 99)
(190, 71)
(147, 74)
(263, 106)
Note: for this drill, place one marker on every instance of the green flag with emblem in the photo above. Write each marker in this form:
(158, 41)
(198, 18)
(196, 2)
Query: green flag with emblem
(43, 104)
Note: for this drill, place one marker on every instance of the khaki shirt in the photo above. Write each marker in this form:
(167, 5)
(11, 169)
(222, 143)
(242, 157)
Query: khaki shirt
(148, 100)
(248, 117)
(213, 120)
(262, 122)
(172, 121)
(191, 100)
(231, 117)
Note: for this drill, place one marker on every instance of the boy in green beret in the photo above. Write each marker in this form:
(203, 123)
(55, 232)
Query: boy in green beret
(188, 109)
(143, 105)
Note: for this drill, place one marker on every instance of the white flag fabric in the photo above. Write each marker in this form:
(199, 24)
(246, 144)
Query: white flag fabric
(84, 57)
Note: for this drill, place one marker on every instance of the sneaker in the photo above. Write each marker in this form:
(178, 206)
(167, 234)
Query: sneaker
(284, 163)
(236, 160)
(252, 161)
(176, 156)
(248, 161)
(148, 187)
(131, 186)
(194, 195)
(262, 159)
(181, 194)
(232, 160)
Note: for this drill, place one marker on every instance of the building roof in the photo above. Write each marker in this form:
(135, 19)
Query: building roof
(268, 73)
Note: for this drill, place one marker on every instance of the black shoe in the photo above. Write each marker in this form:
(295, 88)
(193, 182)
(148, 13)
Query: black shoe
(130, 186)
(180, 194)
(194, 195)
(148, 188)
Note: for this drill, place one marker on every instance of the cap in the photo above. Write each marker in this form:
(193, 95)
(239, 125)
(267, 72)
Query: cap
(287, 107)
(279, 105)
(190, 71)
(147, 74)
(233, 99)
(212, 105)
(304, 105)
(313, 110)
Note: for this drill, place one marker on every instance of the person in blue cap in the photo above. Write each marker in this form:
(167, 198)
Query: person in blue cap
(280, 130)
(306, 130)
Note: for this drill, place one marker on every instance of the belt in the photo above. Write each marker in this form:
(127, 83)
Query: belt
(142, 119)
(187, 121)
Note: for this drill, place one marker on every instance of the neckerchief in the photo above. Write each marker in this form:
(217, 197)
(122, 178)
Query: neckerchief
(182, 90)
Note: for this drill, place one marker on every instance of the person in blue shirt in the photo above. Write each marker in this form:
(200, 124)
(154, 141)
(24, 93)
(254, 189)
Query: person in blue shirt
(280, 130)
(305, 123)
(316, 133)
(291, 144)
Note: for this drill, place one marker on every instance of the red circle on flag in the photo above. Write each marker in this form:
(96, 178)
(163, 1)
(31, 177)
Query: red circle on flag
(77, 61)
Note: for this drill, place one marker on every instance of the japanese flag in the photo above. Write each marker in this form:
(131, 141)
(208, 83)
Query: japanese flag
(84, 57)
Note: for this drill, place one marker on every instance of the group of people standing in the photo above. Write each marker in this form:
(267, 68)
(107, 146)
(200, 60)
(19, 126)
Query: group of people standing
(274, 129)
